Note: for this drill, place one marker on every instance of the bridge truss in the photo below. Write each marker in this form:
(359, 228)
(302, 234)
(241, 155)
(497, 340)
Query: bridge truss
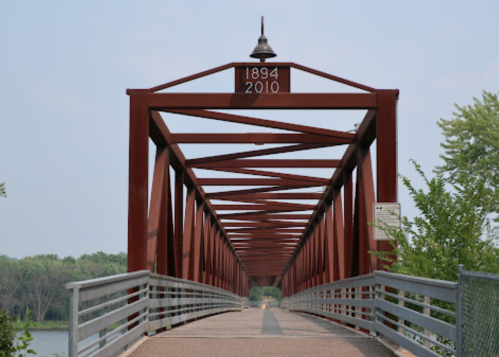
(265, 238)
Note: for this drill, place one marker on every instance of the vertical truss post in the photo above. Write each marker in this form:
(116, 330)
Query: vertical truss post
(214, 245)
(219, 260)
(302, 269)
(155, 207)
(349, 222)
(339, 238)
(369, 199)
(224, 265)
(386, 150)
(321, 250)
(306, 265)
(363, 239)
(195, 261)
(318, 251)
(170, 239)
(207, 250)
(179, 221)
(355, 260)
(188, 233)
(310, 263)
(165, 219)
(138, 181)
(313, 260)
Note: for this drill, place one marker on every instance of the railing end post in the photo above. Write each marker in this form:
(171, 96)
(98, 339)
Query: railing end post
(459, 311)
(73, 321)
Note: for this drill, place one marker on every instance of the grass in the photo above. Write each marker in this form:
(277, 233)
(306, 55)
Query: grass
(53, 325)
(46, 325)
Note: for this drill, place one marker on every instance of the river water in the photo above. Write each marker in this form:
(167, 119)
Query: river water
(50, 343)
(54, 343)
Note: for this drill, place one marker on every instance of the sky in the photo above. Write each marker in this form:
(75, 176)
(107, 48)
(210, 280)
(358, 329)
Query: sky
(65, 66)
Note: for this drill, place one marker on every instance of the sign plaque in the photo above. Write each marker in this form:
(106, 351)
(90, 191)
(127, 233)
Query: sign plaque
(385, 214)
(260, 79)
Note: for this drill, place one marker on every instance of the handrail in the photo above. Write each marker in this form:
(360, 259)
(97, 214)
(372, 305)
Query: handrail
(123, 307)
(416, 313)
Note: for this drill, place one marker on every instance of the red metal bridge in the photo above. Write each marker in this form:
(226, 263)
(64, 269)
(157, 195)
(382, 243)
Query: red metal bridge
(262, 234)
(197, 244)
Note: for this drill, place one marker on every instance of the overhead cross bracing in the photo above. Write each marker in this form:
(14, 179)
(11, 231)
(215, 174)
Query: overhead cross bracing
(252, 214)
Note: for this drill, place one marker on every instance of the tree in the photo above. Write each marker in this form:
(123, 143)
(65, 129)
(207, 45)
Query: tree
(12, 276)
(447, 232)
(38, 283)
(2, 190)
(258, 292)
(255, 293)
(472, 143)
(46, 278)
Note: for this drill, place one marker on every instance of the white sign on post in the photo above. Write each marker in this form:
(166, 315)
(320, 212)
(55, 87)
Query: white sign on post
(385, 214)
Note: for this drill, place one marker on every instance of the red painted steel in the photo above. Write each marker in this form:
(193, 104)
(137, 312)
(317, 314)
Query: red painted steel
(262, 241)
(264, 123)
(253, 153)
(255, 138)
(166, 101)
(283, 163)
(138, 182)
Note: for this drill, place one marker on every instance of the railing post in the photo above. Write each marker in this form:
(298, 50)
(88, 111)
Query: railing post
(73, 322)
(102, 332)
(459, 311)
(372, 296)
(378, 289)
(426, 311)
(147, 295)
(401, 303)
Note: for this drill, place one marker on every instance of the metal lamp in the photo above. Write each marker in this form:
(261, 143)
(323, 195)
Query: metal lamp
(262, 50)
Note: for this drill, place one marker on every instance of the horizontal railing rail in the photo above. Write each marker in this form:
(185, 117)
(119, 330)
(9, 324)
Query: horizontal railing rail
(107, 314)
(350, 301)
(416, 313)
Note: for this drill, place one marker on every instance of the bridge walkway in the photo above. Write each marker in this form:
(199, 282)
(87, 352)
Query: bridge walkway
(262, 332)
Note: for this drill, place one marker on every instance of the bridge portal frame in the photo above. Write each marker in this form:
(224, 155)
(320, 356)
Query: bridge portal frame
(333, 246)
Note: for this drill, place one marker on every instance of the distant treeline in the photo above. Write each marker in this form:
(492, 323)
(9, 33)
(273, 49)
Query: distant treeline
(38, 282)
(257, 293)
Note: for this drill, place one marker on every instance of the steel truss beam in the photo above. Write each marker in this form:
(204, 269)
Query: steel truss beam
(180, 233)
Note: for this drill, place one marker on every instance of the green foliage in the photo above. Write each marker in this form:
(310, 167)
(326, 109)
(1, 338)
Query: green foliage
(3, 193)
(258, 292)
(24, 339)
(472, 143)
(453, 207)
(10, 345)
(38, 283)
(7, 335)
(447, 232)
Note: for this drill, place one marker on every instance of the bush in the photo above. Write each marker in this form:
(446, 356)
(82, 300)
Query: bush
(7, 335)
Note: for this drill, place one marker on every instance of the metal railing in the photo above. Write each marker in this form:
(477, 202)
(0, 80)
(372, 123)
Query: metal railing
(416, 313)
(108, 314)
(349, 300)
(419, 314)
(245, 303)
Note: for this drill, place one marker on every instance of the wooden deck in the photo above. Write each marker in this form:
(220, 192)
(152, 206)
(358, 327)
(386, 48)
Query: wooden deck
(267, 332)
